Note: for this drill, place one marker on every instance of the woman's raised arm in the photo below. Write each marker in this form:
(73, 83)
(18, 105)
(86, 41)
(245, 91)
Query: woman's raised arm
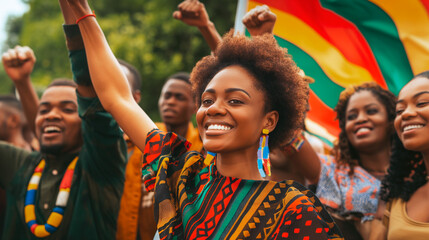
(107, 77)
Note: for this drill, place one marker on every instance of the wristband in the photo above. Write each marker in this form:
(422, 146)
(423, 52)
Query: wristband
(85, 16)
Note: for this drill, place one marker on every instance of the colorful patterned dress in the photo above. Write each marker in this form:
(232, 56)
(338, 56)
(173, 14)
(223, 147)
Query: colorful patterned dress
(193, 201)
(351, 197)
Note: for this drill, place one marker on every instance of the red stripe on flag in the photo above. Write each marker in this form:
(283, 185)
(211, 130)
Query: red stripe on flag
(323, 115)
(425, 4)
(335, 29)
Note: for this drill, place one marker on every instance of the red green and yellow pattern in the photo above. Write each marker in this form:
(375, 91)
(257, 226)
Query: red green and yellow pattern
(344, 42)
(194, 201)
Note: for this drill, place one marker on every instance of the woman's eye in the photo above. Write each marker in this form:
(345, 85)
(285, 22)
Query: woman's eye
(372, 111)
(351, 117)
(235, 101)
(421, 104)
(206, 102)
(399, 111)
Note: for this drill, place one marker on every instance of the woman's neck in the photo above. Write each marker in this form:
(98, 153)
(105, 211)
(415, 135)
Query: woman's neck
(376, 162)
(239, 164)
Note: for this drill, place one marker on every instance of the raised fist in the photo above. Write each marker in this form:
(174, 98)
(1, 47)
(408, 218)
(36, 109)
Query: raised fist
(18, 63)
(193, 13)
(259, 20)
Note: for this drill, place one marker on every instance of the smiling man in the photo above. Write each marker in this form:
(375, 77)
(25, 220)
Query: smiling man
(57, 124)
(72, 187)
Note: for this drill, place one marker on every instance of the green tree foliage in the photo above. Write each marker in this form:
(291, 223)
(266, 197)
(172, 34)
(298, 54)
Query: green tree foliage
(143, 33)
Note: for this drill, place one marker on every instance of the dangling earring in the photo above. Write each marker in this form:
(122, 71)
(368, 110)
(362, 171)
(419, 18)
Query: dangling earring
(209, 158)
(264, 164)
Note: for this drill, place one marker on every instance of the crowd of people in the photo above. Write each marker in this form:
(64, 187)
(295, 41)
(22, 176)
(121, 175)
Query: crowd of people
(86, 162)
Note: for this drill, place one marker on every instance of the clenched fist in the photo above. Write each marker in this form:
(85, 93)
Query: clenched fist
(18, 63)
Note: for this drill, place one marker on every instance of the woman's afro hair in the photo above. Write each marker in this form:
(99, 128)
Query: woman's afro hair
(276, 74)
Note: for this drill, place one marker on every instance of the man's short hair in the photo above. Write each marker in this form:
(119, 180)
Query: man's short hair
(184, 76)
(62, 82)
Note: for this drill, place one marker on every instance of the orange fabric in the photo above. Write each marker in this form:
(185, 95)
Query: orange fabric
(130, 201)
(132, 214)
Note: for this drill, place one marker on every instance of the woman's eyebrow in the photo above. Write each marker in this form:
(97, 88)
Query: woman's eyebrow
(236, 89)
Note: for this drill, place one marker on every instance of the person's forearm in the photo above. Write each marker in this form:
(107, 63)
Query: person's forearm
(103, 66)
(74, 42)
(29, 100)
(110, 82)
(211, 35)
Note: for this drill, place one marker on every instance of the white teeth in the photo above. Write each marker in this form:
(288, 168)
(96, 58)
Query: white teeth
(218, 127)
(364, 129)
(51, 129)
(409, 127)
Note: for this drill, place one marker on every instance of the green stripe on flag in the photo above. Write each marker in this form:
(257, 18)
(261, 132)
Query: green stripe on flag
(382, 36)
(323, 87)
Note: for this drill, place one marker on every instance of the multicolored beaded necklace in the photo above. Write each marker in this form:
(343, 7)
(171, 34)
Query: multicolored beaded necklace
(56, 216)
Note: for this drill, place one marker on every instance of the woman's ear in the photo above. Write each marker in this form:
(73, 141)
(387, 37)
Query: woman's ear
(271, 119)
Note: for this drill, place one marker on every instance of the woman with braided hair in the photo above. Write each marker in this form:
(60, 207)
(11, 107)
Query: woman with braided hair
(349, 183)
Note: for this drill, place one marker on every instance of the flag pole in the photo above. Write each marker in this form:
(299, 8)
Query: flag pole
(241, 11)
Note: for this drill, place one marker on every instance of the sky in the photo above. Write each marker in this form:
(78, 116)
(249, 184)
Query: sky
(9, 7)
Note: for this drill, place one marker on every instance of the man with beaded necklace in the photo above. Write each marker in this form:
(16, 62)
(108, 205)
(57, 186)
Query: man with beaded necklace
(70, 189)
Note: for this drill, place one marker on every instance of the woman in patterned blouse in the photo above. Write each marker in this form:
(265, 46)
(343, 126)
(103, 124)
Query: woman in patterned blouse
(349, 184)
(248, 85)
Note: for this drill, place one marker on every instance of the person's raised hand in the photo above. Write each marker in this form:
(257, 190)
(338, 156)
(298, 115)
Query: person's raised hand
(259, 20)
(193, 13)
(18, 63)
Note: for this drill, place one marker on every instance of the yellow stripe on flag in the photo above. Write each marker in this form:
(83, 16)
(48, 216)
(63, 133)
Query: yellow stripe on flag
(409, 17)
(319, 130)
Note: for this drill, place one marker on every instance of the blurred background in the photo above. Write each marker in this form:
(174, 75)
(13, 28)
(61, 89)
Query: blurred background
(141, 32)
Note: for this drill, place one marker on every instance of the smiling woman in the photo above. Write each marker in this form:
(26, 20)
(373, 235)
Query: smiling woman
(406, 186)
(214, 198)
(245, 94)
(350, 183)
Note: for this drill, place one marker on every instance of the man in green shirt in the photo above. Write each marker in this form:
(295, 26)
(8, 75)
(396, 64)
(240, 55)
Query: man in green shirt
(70, 122)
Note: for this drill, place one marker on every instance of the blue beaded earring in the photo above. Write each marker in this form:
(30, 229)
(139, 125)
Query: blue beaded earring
(264, 164)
